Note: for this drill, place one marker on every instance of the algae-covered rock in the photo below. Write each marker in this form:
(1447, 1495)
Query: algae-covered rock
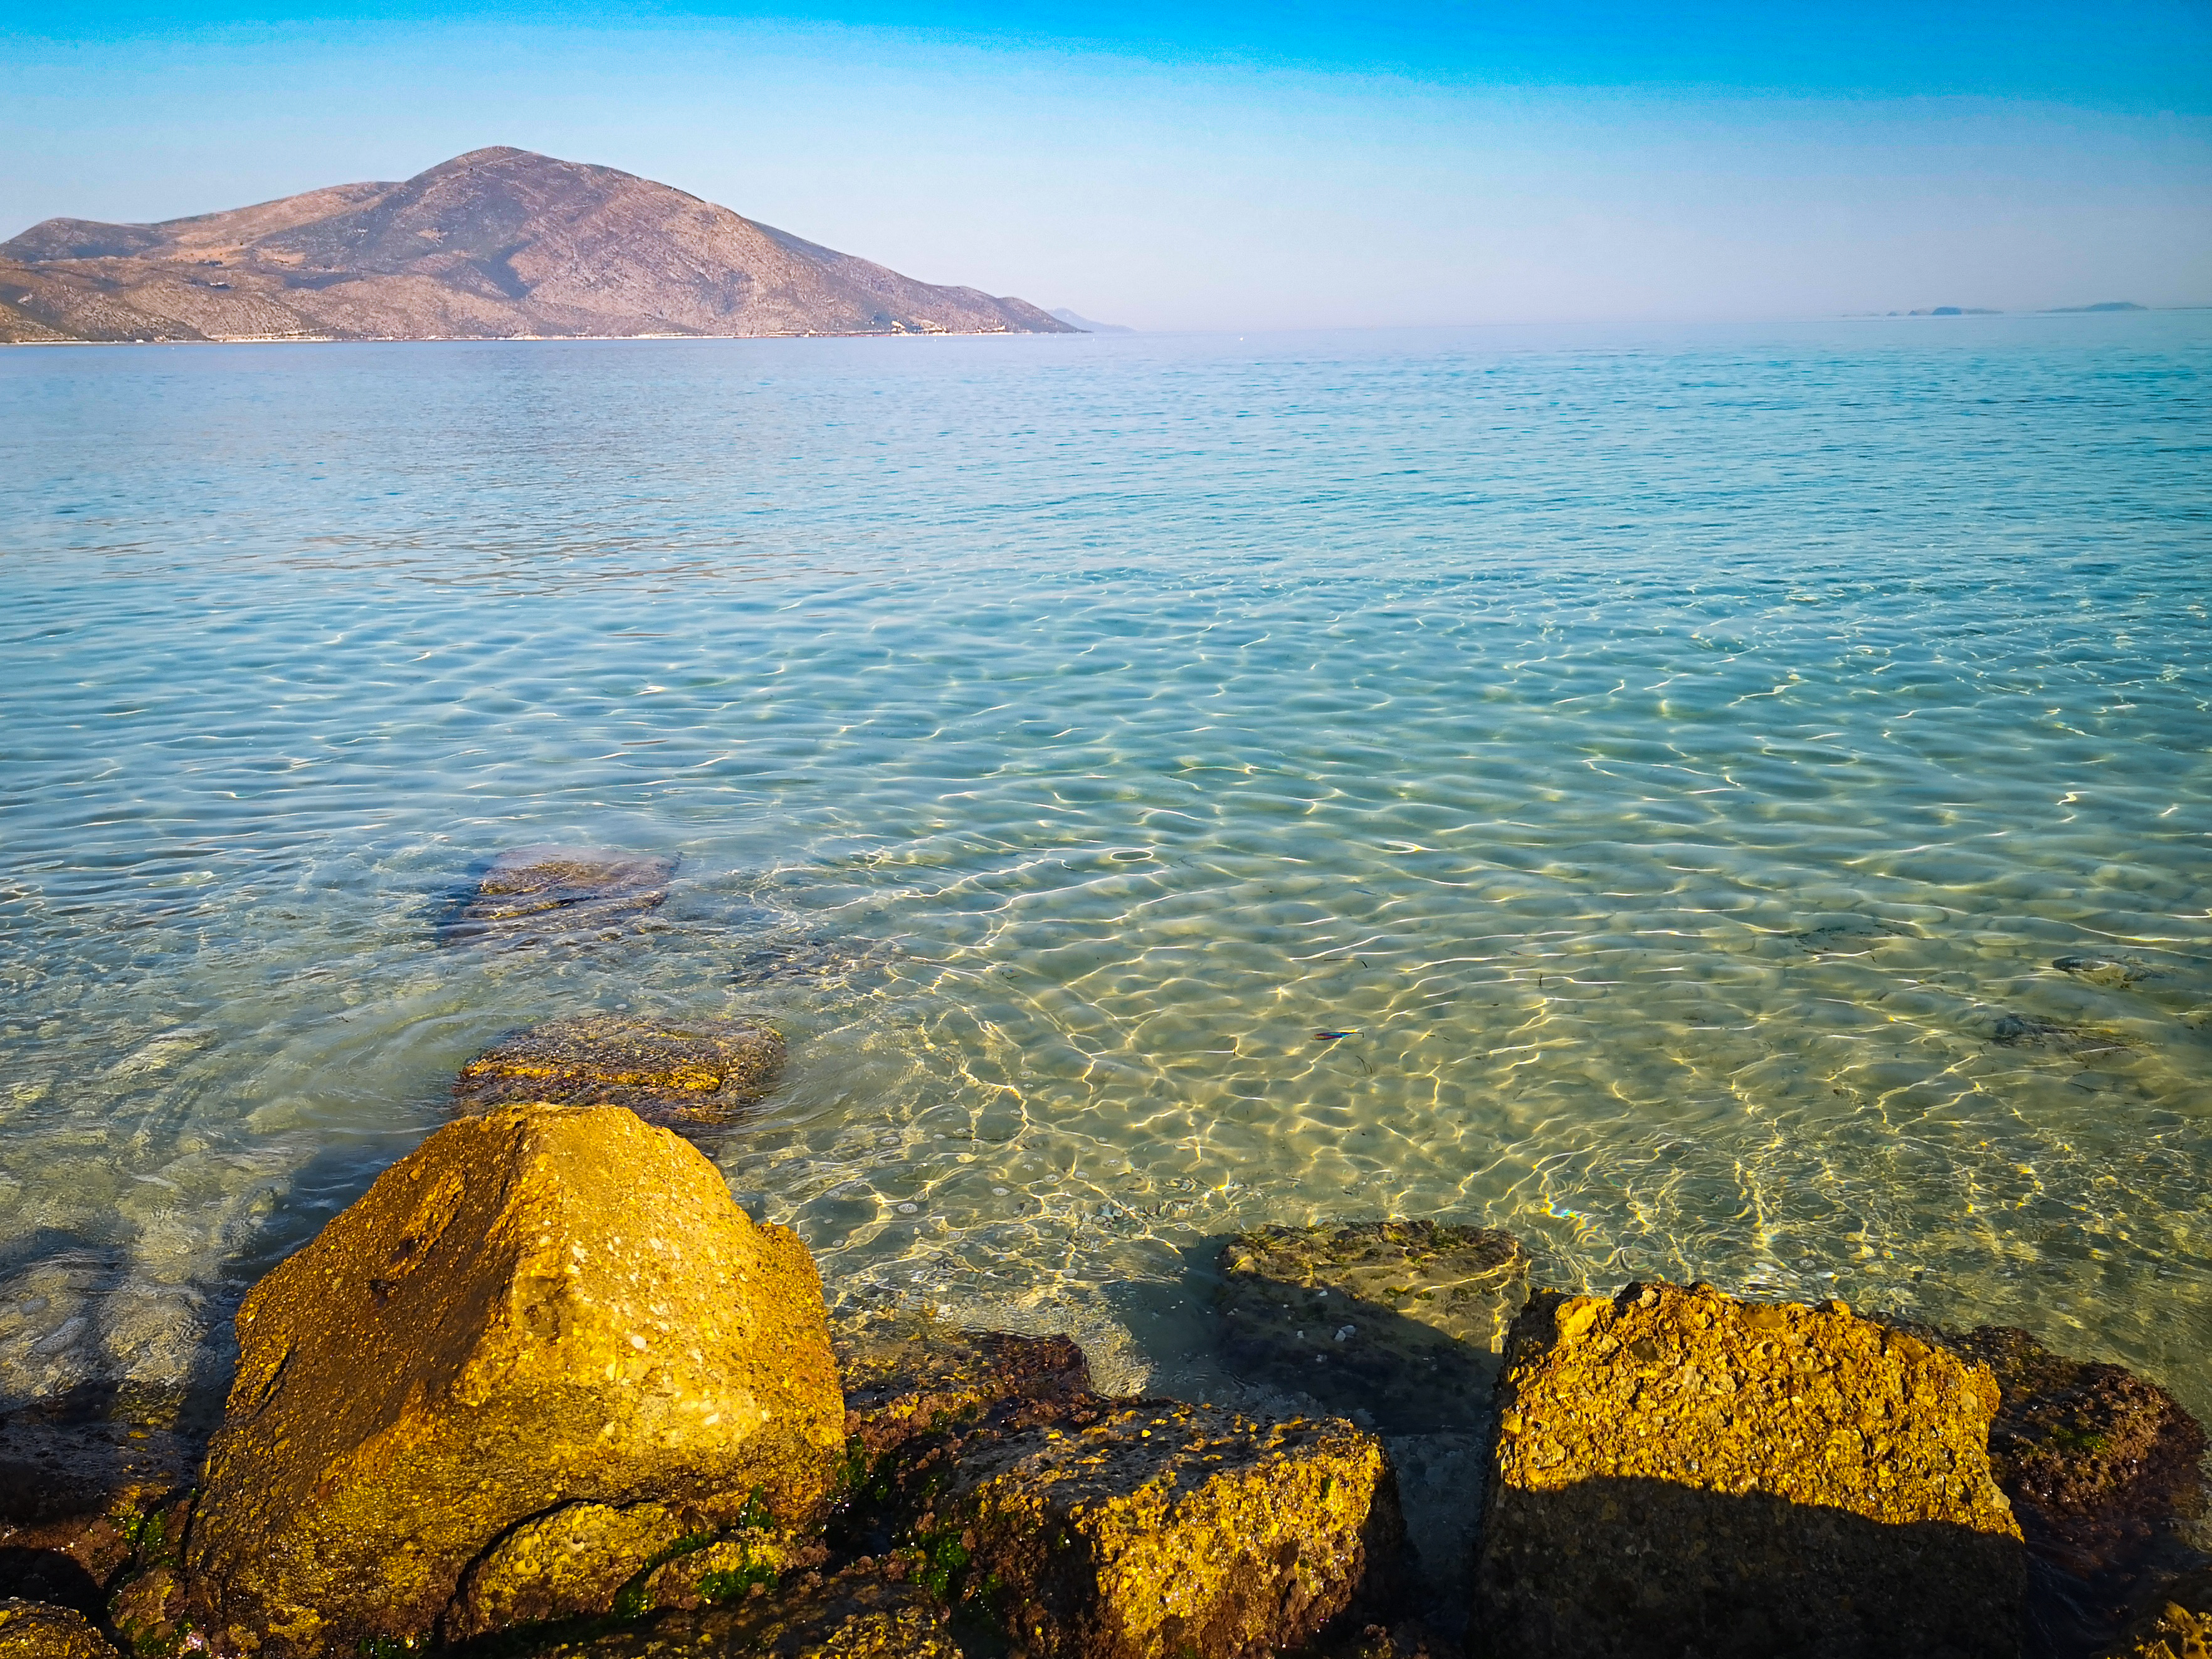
(542, 1307)
(906, 1376)
(730, 1569)
(2082, 1438)
(35, 1629)
(147, 1610)
(1678, 1472)
(528, 892)
(2178, 1625)
(2103, 1470)
(88, 1482)
(859, 1613)
(669, 1072)
(575, 1560)
(1157, 1530)
(1401, 1320)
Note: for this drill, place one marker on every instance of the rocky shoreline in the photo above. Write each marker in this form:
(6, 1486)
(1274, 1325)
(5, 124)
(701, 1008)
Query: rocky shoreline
(546, 1389)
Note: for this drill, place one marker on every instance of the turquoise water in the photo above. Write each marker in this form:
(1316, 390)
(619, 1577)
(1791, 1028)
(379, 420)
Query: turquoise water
(1677, 759)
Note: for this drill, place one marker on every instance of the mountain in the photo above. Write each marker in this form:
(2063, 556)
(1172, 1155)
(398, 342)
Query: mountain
(1083, 324)
(496, 244)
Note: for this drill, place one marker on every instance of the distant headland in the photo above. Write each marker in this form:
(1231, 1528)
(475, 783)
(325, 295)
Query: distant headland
(497, 244)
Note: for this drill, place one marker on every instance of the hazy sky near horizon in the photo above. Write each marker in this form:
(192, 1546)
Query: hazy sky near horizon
(1224, 167)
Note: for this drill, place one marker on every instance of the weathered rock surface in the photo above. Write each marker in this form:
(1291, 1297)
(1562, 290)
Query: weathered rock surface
(1157, 1529)
(906, 1376)
(35, 1630)
(859, 1614)
(498, 1330)
(575, 1559)
(85, 1481)
(730, 1569)
(2104, 1471)
(1398, 1320)
(2176, 1626)
(668, 1072)
(529, 893)
(1678, 1472)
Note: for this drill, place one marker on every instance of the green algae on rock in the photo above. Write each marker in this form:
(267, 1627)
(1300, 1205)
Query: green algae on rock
(729, 1569)
(2104, 1472)
(1158, 1529)
(668, 1072)
(859, 1614)
(1398, 1319)
(35, 1629)
(1677, 1471)
(905, 1375)
(573, 1559)
(542, 1307)
(530, 892)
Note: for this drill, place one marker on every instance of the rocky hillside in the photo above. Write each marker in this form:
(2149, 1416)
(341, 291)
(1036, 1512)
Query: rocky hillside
(496, 244)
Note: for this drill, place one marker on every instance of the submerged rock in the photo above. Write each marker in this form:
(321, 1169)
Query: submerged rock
(859, 1614)
(1678, 1472)
(1157, 1530)
(529, 891)
(2178, 1625)
(2115, 973)
(808, 962)
(668, 1072)
(542, 1307)
(906, 1376)
(35, 1630)
(1399, 1320)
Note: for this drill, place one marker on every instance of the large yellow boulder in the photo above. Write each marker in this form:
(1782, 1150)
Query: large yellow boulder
(1679, 1471)
(545, 1326)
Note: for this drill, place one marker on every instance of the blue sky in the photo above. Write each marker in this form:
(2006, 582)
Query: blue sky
(1210, 166)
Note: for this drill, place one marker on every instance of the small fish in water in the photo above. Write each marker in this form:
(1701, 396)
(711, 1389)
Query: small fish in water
(1331, 1037)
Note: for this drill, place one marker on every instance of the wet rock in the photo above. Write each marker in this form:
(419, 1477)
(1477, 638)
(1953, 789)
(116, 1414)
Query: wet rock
(575, 1560)
(542, 1307)
(905, 1375)
(1381, 1642)
(2023, 1032)
(859, 1613)
(1678, 1472)
(148, 1611)
(1157, 1530)
(2103, 1469)
(532, 892)
(730, 1569)
(1398, 1320)
(668, 1072)
(808, 962)
(2178, 1625)
(2115, 973)
(88, 1488)
(34, 1630)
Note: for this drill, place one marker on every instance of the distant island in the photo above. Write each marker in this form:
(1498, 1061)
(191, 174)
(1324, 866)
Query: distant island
(497, 244)
(1076, 320)
(2104, 305)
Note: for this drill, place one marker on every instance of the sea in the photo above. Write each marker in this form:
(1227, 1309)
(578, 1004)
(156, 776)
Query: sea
(1725, 803)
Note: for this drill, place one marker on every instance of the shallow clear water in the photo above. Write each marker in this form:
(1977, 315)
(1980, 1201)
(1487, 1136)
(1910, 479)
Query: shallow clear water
(1677, 759)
